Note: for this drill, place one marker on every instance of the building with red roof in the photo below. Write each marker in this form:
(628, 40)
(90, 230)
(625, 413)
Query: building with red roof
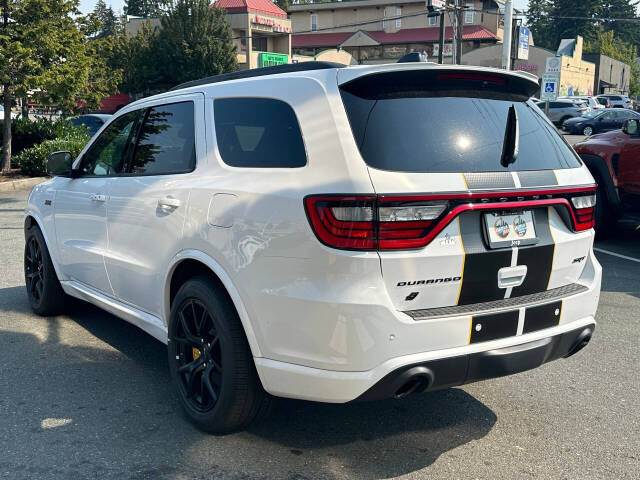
(261, 32)
(378, 31)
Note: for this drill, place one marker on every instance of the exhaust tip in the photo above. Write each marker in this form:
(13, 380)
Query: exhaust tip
(582, 341)
(414, 380)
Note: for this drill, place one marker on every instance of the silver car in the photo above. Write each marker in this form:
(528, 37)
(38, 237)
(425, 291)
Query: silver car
(618, 101)
(564, 109)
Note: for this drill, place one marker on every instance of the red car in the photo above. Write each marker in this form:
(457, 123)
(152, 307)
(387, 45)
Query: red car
(614, 161)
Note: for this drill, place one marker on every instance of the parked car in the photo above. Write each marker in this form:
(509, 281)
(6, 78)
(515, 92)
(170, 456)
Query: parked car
(617, 101)
(562, 110)
(592, 102)
(614, 161)
(92, 121)
(604, 102)
(598, 121)
(284, 233)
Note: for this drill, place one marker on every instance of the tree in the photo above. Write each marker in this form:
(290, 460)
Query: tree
(43, 48)
(540, 23)
(109, 24)
(195, 42)
(145, 8)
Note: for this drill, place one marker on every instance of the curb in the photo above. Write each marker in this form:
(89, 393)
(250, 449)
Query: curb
(23, 184)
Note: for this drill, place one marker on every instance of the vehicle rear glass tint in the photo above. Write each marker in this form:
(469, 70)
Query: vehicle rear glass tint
(259, 133)
(420, 131)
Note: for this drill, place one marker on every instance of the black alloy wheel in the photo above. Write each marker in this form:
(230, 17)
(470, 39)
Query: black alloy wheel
(44, 291)
(210, 360)
(198, 356)
(34, 269)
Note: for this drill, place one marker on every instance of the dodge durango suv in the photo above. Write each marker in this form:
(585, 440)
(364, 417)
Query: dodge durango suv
(326, 233)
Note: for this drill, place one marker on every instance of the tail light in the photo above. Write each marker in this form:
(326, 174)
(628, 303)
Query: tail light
(584, 212)
(369, 222)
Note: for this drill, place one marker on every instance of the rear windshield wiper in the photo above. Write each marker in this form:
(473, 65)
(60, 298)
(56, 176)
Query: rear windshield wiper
(511, 139)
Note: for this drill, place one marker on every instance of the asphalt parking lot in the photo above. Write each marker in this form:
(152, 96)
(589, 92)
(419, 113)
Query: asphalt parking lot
(87, 395)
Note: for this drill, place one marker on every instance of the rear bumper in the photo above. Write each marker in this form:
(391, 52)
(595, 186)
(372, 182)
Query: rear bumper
(438, 369)
(453, 371)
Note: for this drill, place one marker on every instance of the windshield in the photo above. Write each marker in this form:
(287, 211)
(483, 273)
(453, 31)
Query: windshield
(451, 134)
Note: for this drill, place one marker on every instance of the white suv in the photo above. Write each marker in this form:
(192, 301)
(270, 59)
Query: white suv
(326, 233)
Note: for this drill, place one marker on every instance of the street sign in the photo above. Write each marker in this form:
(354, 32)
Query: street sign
(523, 43)
(554, 65)
(550, 87)
(435, 5)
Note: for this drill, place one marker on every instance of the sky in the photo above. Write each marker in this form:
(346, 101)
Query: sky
(87, 5)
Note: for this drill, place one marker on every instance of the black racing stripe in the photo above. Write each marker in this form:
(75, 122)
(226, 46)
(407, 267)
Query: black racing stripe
(537, 178)
(489, 180)
(494, 326)
(538, 258)
(480, 276)
(541, 317)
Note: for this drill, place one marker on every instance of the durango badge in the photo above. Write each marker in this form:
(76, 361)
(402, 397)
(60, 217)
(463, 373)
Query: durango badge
(429, 282)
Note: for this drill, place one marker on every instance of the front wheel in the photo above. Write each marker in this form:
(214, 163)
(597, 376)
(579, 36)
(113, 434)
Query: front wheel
(587, 131)
(210, 361)
(44, 291)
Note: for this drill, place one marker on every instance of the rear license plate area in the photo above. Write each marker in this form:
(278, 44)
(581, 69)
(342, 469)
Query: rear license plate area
(510, 229)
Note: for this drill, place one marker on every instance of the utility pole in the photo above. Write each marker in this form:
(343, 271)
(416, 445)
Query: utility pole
(460, 21)
(507, 35)
(441, 38)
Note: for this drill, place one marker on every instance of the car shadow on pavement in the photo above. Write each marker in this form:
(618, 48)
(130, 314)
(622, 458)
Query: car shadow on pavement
(379, 439)
(104, 404)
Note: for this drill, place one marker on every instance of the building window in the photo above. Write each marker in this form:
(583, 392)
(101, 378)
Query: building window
(398, 20)
(433, 21)
(469, 13)
(384, 22)
(314, 22)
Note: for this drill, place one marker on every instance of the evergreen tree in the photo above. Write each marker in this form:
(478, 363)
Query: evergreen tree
(195, 42)
(107, 18)
(145, 8)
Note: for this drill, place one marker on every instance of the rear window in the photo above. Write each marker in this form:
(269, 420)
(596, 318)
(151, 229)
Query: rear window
(451, 130)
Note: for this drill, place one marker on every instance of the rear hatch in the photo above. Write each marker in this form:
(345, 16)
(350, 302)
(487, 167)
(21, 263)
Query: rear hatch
(457, 224)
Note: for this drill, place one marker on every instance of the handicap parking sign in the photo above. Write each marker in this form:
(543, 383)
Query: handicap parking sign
(549, 87)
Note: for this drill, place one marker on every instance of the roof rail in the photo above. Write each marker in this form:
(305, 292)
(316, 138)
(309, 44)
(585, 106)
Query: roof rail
(259, 72)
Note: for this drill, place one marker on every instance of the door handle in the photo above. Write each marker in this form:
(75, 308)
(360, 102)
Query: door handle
(169, 202)
(96, 197)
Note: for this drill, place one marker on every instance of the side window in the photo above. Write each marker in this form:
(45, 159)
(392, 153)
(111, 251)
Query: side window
(166, 143)
(105, 156)
(258, 132)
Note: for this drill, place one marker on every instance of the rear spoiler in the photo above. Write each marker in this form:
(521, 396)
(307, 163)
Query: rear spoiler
(442, 82)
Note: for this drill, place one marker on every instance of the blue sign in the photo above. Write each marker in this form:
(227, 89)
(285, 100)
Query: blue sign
(523, 43)
(549, 87)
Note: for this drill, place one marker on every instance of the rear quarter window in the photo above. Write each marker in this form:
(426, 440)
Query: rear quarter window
(258, 133)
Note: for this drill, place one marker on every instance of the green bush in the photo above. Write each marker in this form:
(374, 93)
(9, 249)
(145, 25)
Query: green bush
(32, 161)
(28, 133)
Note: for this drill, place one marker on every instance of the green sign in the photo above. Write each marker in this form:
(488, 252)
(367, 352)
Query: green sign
(271, 59)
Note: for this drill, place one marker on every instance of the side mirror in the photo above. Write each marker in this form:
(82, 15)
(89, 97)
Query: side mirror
(632, 127)
(59, 164)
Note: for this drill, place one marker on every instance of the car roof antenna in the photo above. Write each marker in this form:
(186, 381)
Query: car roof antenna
(511, 139)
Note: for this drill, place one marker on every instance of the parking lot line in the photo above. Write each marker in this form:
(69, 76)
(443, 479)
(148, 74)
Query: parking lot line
(601, 250)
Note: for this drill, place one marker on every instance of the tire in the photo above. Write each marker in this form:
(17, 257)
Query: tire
(210, 361)
(605, 220)
(587, 131)
(44, 291)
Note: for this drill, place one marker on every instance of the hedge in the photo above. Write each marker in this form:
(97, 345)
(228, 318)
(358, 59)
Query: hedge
(32, 161)
(28, 133)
